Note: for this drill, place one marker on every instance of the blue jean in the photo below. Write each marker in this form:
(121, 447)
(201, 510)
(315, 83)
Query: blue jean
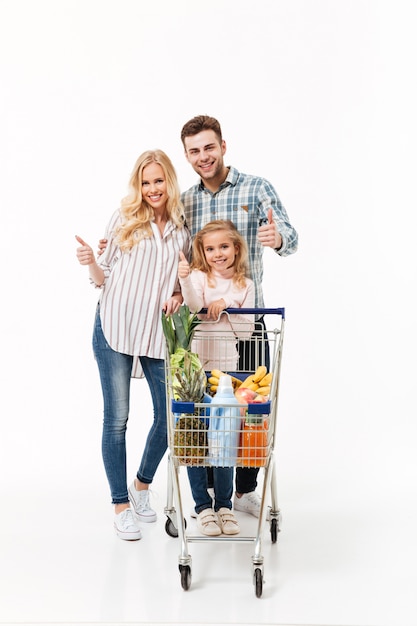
(115, 375)
(222, 483)
(246, 478)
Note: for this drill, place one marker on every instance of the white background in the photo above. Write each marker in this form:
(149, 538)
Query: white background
(317, 96)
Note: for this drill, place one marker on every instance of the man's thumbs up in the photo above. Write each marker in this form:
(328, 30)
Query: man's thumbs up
(268, 234)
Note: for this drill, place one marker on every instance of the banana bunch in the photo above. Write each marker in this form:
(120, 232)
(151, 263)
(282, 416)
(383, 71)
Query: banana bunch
(260, 381)
(213, 381)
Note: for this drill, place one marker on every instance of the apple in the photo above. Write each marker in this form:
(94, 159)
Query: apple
(245, 395)
(258, 399)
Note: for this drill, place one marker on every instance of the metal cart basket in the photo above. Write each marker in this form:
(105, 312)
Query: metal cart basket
(253, 432)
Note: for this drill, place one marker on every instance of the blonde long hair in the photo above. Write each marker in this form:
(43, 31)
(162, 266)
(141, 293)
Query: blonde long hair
(136, 212)
(241, 265)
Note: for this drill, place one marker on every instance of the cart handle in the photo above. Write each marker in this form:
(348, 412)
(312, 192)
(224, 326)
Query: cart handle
(252, 408)
(279, 311)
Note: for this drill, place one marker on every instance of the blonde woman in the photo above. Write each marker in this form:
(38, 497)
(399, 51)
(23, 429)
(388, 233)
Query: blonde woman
(138, 279)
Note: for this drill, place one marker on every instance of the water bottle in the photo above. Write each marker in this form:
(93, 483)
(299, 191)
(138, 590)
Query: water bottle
(225, 424)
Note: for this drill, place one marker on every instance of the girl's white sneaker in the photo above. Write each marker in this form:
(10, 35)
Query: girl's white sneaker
(207, 523)
(228, 522)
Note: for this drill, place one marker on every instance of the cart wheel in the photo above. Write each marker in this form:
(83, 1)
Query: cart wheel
(170, 528)
(274, 530)
(185, 571)
(258, 582)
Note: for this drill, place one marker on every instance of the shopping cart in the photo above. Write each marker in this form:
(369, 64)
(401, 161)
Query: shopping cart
(189, 425)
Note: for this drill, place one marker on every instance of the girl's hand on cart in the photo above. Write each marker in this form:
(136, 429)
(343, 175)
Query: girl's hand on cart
(268, 234)
(215, 308)
(183, 266)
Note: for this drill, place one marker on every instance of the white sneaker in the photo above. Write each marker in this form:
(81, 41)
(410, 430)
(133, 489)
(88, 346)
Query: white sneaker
(248, 503)
(207, 523)
(140, 503)
(126, 526)
(211, 492)
(227, 522)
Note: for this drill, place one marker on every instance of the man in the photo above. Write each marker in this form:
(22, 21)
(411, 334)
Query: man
(256, 210)
(253, 205)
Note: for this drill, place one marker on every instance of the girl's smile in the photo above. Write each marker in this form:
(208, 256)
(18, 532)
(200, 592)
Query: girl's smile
(219, 250)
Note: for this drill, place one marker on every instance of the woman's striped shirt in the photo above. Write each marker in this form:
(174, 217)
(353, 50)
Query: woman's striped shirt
(136, 285)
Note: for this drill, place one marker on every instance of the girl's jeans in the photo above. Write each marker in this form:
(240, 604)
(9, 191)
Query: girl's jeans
(115, 375)
(222, 483)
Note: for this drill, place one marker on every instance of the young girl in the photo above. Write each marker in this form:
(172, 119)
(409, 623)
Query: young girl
(138, 278)
(217, 280)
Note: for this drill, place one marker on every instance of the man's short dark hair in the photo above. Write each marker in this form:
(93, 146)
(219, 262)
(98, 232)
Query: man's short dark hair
(198, 124)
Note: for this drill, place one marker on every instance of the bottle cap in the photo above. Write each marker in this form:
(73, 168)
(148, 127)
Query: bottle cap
(225, 384)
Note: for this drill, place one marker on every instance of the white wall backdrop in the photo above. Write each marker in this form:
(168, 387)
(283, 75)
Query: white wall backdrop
(318, 97)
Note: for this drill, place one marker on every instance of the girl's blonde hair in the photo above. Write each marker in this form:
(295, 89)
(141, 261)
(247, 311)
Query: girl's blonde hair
(136, 212)
(241, 259)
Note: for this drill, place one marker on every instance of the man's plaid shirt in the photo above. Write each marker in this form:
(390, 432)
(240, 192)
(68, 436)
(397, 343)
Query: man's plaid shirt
(245, 200)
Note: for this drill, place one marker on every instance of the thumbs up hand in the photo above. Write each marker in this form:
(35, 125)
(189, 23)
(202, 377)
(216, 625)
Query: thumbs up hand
(85, 254)
(183, 266)
(268, 234)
